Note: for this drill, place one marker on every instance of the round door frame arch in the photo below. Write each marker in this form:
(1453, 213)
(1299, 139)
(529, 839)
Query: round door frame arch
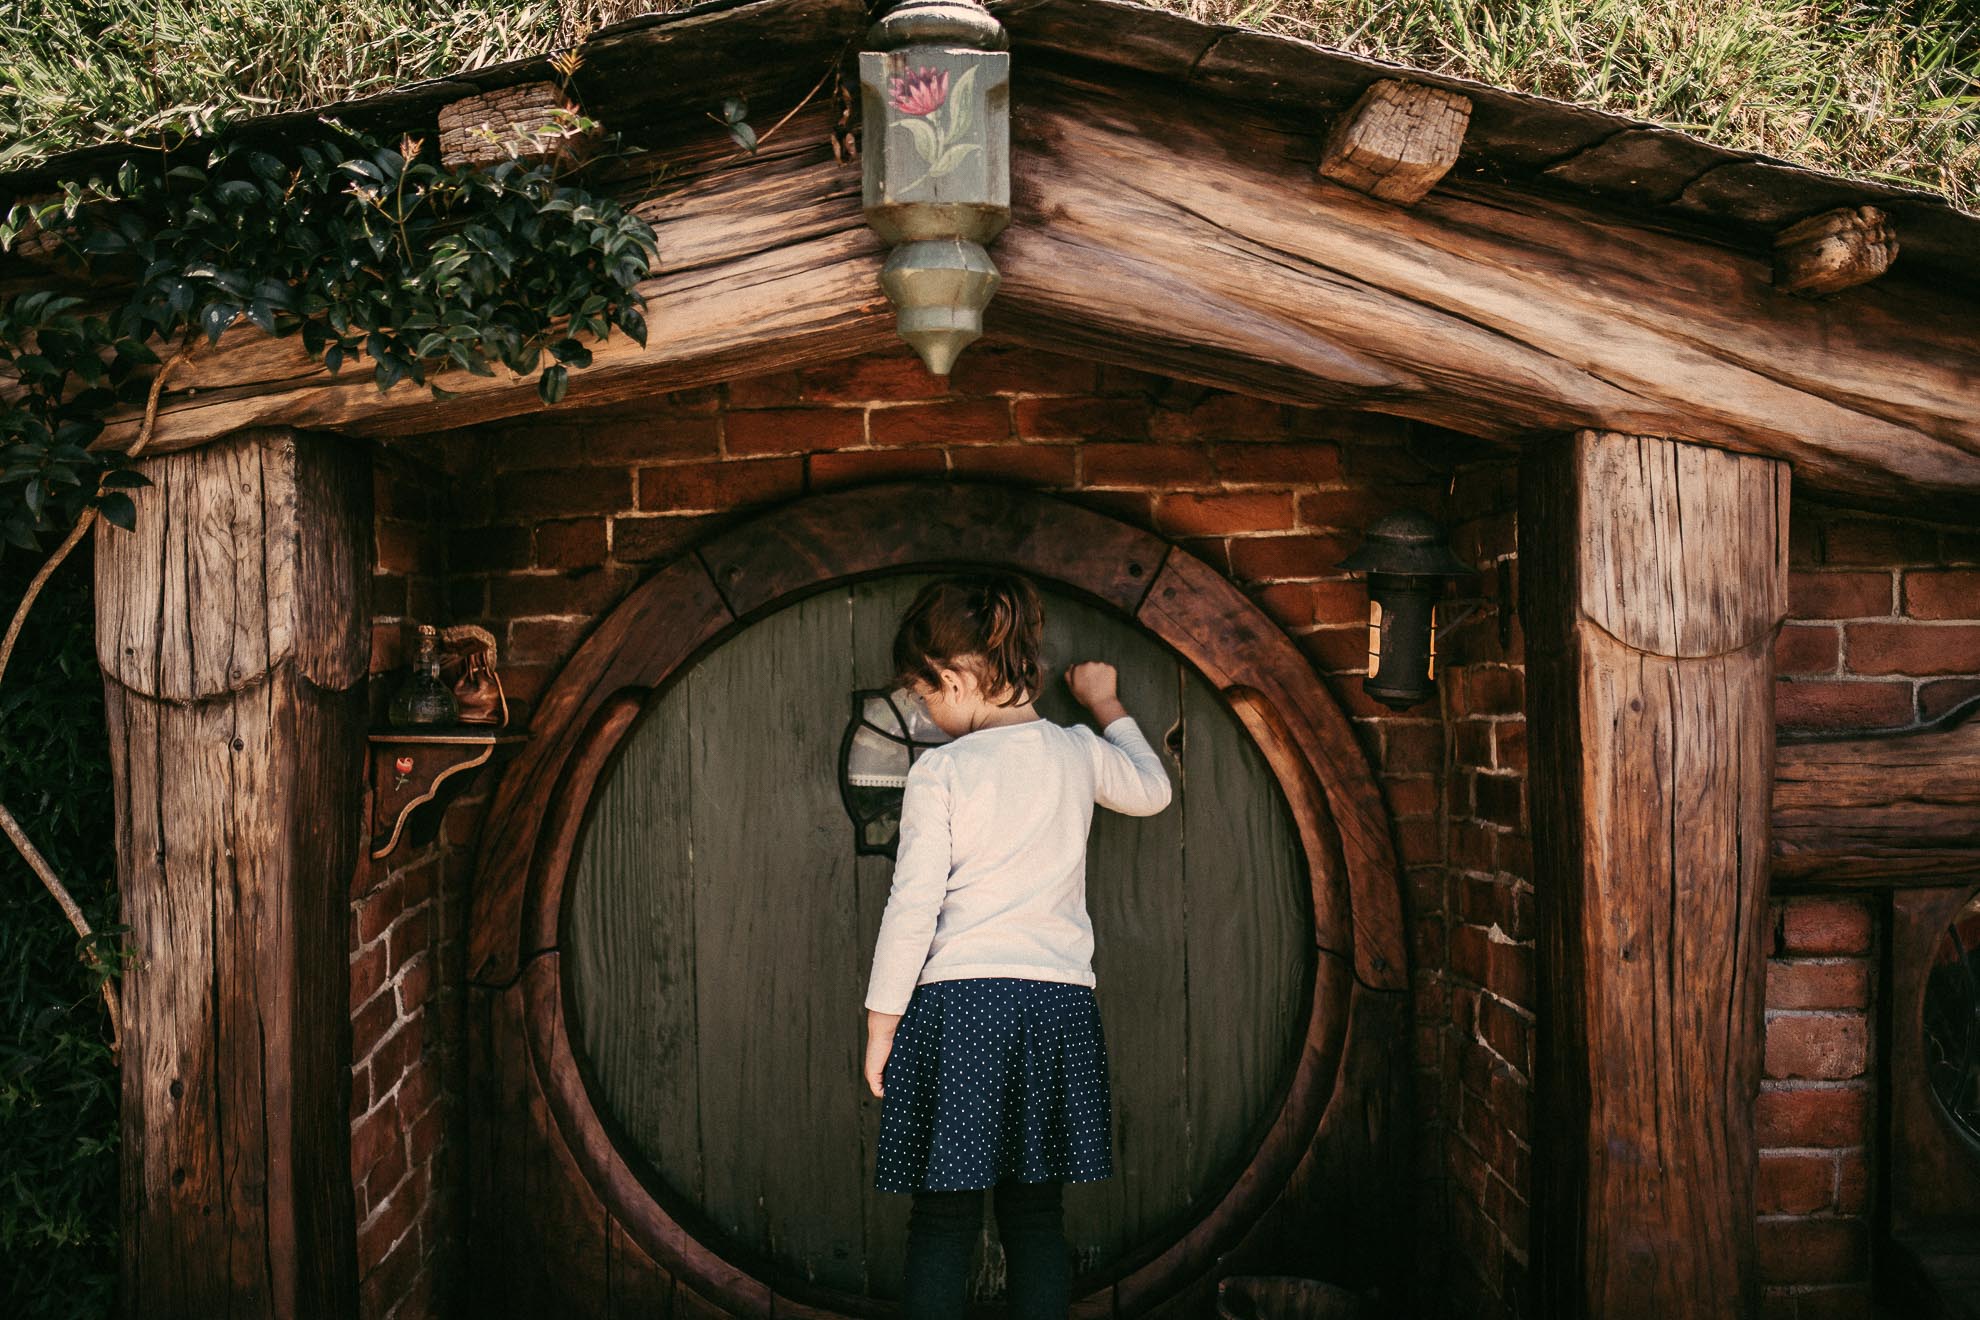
(726, 582)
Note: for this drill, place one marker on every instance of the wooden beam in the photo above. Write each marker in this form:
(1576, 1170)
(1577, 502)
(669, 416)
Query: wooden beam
(1656, 577)
(233, 631)
(1396, 140)
(1886, 809)
(1833, 251)
(1190, 240)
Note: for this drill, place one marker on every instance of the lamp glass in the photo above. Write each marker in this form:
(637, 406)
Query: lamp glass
(888, 730)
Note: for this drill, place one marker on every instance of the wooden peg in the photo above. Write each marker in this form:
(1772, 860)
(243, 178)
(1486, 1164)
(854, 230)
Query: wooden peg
(1396, 141)
(519, 118)
(1834, 250)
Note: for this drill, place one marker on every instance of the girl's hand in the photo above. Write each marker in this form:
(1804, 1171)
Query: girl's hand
(879, 1044)
(1093, 686)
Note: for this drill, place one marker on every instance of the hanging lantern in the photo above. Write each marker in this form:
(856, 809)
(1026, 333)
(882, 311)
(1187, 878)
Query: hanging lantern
(888, 731)
(935, 90)
(1407, 565)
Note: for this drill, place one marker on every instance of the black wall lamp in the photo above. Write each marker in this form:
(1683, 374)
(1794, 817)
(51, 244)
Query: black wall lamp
(1408, 566)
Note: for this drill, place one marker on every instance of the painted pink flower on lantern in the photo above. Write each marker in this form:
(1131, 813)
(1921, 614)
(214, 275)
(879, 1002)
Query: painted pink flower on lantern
(919, 91)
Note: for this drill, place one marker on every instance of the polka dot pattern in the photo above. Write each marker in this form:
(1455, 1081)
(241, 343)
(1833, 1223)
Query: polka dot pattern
(993, 1077)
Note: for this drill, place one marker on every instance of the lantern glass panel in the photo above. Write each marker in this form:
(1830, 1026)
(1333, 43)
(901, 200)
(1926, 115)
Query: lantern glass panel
(888, 730)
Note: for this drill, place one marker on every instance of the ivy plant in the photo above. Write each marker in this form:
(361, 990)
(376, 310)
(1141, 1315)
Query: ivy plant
(363, 248)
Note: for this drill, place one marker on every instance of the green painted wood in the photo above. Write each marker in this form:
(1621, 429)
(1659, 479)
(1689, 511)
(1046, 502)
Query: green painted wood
(720, 931)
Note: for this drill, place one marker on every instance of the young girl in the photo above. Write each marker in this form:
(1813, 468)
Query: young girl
(983, 1033)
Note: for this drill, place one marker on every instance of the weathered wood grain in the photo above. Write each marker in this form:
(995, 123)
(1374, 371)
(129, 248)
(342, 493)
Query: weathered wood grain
(1833, 251)
(1188, 238)
(1655, 581)
(490, 126)
(1396, 140)
(232, 629)
(1898, 809)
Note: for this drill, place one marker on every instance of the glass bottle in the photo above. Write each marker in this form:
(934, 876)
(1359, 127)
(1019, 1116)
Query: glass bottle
(422, 699)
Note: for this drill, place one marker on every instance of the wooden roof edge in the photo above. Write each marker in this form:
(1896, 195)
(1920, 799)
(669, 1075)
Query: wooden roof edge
(1520, 138)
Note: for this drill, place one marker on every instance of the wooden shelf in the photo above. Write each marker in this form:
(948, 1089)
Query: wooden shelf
(417, 771)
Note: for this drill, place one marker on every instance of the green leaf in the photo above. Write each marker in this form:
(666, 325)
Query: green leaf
(951, 158)
(119, 511)
(962, 105)
(744, 135)
(551, 385)
(923, 134)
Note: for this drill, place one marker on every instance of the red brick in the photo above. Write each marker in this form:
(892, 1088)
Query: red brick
(412, 936)
(1509, 744)
(401, 547)
(1222, 417)
(1824, 926)
(958, 422)
(985, 370)
(374, 1137)
(854, 466)
(1145, 464)
(1412, 797)
(1937, 698)
(1825, 1046)
(588, 592)
(1794, 983)
(661, 536)
(1943, 593)
(1355, 508)
(1300, 555)
(1812, 1250)
(1498, 799)
(1420, 842)
(390, 1061)
(1839, 595)
(1038, 465)
(1811, 1116)
(722, 484)
(488, 549)
(646, 436)
(1307, 604)
(367, 974)
(1908, 648)
(1508, 1033)
(550, 640)
(384, 904)
(1303, 462)
(1223, 514)
(1794, 1184)
(1337, 650)
(1808, 649)
(872, 377)
(1876, 542)
(390, 1222)
(566, 491)
(415, 985)
(792, 430)
(1842, 704)
(1492, 690)
(1412, 746)
(766, 391)
(377, 1183)
(384, 1284)
(575, 544)
(1079, 419)
(518, 447)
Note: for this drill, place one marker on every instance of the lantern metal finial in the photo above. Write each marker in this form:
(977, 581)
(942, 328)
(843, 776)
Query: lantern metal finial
(936, 96)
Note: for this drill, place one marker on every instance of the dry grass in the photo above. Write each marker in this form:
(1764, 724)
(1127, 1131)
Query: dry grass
(1881, 91)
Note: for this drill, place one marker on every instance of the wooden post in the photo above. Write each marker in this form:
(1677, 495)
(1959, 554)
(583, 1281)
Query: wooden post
(233, 631)
(1656, 579)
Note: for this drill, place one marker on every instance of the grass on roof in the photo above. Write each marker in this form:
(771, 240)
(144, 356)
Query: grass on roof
(1887, 91)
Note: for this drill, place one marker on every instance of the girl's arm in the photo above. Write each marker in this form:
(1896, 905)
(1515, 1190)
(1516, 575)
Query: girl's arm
(1128, 775)
(921, 878)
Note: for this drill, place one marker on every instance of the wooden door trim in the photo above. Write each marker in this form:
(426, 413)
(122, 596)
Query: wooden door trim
(723, 585)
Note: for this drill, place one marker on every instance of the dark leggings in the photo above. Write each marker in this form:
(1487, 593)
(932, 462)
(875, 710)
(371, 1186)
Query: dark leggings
(942, 1228)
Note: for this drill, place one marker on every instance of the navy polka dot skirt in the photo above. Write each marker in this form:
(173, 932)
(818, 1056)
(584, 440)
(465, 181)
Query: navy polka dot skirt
(994, 1077)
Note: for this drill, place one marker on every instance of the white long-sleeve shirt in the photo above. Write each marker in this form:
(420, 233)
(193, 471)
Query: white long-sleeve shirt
(990, 872)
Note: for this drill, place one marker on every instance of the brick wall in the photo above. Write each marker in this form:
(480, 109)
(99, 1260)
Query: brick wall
(1883, 634)
(408, 918)
(1485, 1062)
(535, 527)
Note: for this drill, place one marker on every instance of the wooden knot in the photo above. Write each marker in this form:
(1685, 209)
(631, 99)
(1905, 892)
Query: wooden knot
(1834, 250)
(491, 126)
(1396, 141)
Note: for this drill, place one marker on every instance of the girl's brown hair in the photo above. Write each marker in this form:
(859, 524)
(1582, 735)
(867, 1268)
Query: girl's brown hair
(991, 623)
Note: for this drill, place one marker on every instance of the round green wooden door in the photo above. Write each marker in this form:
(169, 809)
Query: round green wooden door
(719, 930)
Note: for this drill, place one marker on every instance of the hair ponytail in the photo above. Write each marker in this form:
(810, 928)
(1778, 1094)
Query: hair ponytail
(991, 623)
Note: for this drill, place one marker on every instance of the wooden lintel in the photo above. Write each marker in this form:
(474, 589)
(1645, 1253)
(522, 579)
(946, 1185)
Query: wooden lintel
(1189, 241)
(1835, 250)
(1880, 809)
(1396, 140)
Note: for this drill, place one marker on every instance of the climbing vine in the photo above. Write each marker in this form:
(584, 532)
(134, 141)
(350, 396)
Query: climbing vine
(364, 250)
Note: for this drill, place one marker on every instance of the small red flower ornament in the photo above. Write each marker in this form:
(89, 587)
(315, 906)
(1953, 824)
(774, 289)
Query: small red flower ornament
(919, 91)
